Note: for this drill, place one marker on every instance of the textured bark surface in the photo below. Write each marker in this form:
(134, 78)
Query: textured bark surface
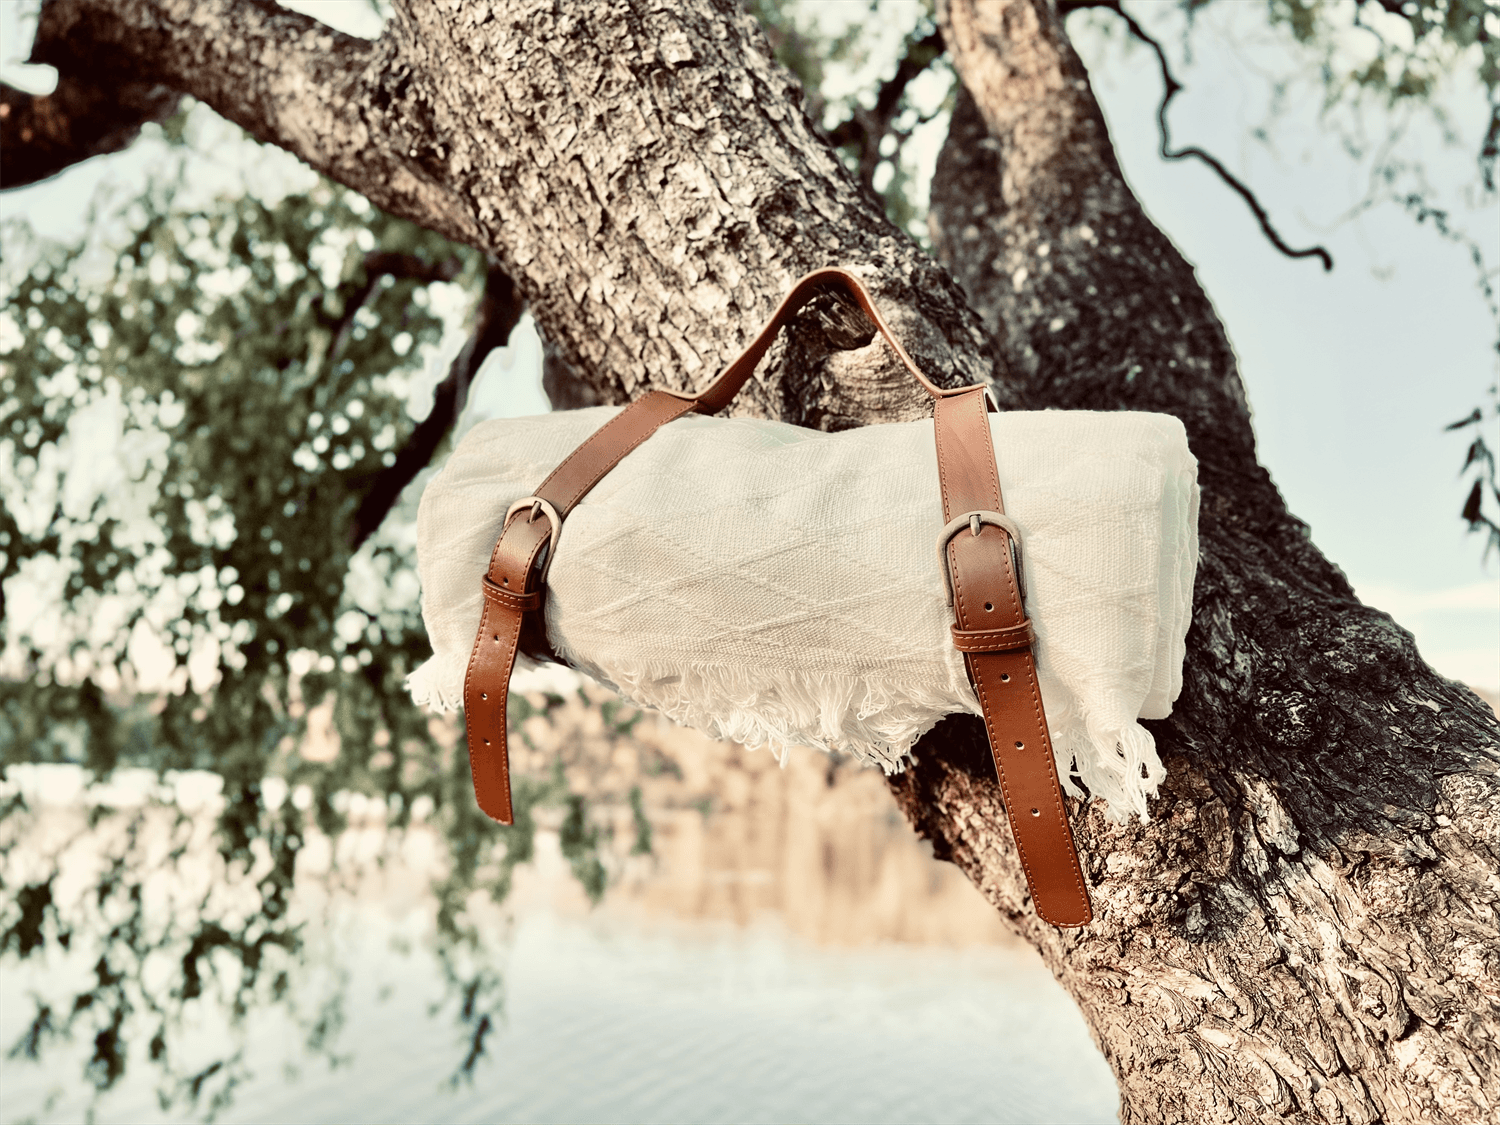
(654, 188)
(643, 172)
(1309, 928)
(285, 78)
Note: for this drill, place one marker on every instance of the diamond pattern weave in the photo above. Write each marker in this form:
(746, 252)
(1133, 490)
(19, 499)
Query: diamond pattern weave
(779, 586)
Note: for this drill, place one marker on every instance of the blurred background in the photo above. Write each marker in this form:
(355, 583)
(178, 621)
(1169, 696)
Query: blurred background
(243, 878)
(769, 945)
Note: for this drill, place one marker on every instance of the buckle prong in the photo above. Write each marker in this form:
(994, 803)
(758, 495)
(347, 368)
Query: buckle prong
(539, 506)
(973, 521)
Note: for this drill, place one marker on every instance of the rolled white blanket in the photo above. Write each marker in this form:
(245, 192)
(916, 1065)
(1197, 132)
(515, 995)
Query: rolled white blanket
(775, 586)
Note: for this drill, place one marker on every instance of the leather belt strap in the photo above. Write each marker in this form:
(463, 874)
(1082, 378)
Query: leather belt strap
(514, 585)
(982, 561)
(994, 634)
(1008, 639)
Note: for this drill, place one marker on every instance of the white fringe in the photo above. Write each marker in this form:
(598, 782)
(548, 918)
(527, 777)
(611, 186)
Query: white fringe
(438, 684)
(1119, 766)
(875, 723)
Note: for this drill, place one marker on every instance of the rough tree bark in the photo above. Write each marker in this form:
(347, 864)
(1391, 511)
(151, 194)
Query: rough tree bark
(1309, 927)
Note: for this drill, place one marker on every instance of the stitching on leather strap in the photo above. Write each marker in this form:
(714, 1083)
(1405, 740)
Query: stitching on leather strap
(503, 597)
(501, 622)
(993, 640)
(1010, 807)
(484, 755)
(1059, 810)
(598, 439)
(994, 657)
(500, 542)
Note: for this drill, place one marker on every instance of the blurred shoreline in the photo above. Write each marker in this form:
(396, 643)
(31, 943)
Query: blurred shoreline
(786, 949)
(734, 837)
(692, 830)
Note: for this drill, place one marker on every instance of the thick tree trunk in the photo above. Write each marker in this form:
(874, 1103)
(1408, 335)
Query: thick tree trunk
(1308, 927)
(1307, 930)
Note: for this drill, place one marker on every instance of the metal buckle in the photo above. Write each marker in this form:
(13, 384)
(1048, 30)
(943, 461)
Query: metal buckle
(537, 504)
(973, 521)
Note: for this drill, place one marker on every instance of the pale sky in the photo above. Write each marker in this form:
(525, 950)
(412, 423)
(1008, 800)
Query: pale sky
(1352, 375)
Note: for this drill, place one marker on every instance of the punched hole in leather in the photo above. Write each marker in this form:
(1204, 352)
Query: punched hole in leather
(981, 562)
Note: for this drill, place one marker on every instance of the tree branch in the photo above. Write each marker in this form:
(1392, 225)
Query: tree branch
(41, 134)
(1207, 972)
(329, 98)
(1171, 88)
(380, 264)
(474, 121)
(499, 311)
(1031, 211)
(867, 128)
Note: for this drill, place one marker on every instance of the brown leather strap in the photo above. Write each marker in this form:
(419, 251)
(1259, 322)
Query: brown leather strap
(717, 395)
(991, 622)
(514, 586)
(992, 629)
(514, 572)
(1008, 639)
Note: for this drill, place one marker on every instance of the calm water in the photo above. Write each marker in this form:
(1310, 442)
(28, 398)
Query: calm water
(679, 1025)
(793, 955)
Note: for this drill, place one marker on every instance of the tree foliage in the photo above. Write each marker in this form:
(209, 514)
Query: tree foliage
(1374, 66)
(868, 124)
(1371, 66)
(196, 400)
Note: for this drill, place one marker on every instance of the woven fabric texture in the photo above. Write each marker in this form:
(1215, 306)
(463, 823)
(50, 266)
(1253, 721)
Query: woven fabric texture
(779, 586)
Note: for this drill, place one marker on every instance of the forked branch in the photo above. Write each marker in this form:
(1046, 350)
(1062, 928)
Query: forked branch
(328, 98)
(42, 134)
(380, 264)
(866, 129)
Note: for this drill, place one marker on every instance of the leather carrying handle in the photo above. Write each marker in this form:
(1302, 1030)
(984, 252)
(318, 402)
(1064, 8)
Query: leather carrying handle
(995, 639)
(718, 394)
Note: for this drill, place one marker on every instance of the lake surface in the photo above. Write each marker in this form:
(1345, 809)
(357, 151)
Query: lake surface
(680, 1024)
(789, 952)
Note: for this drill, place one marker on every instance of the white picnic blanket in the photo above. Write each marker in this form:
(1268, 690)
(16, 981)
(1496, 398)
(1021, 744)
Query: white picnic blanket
(779, 586)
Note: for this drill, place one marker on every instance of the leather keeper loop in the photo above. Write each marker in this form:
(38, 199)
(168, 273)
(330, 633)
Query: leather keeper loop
(503, 597)
(993, 640)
